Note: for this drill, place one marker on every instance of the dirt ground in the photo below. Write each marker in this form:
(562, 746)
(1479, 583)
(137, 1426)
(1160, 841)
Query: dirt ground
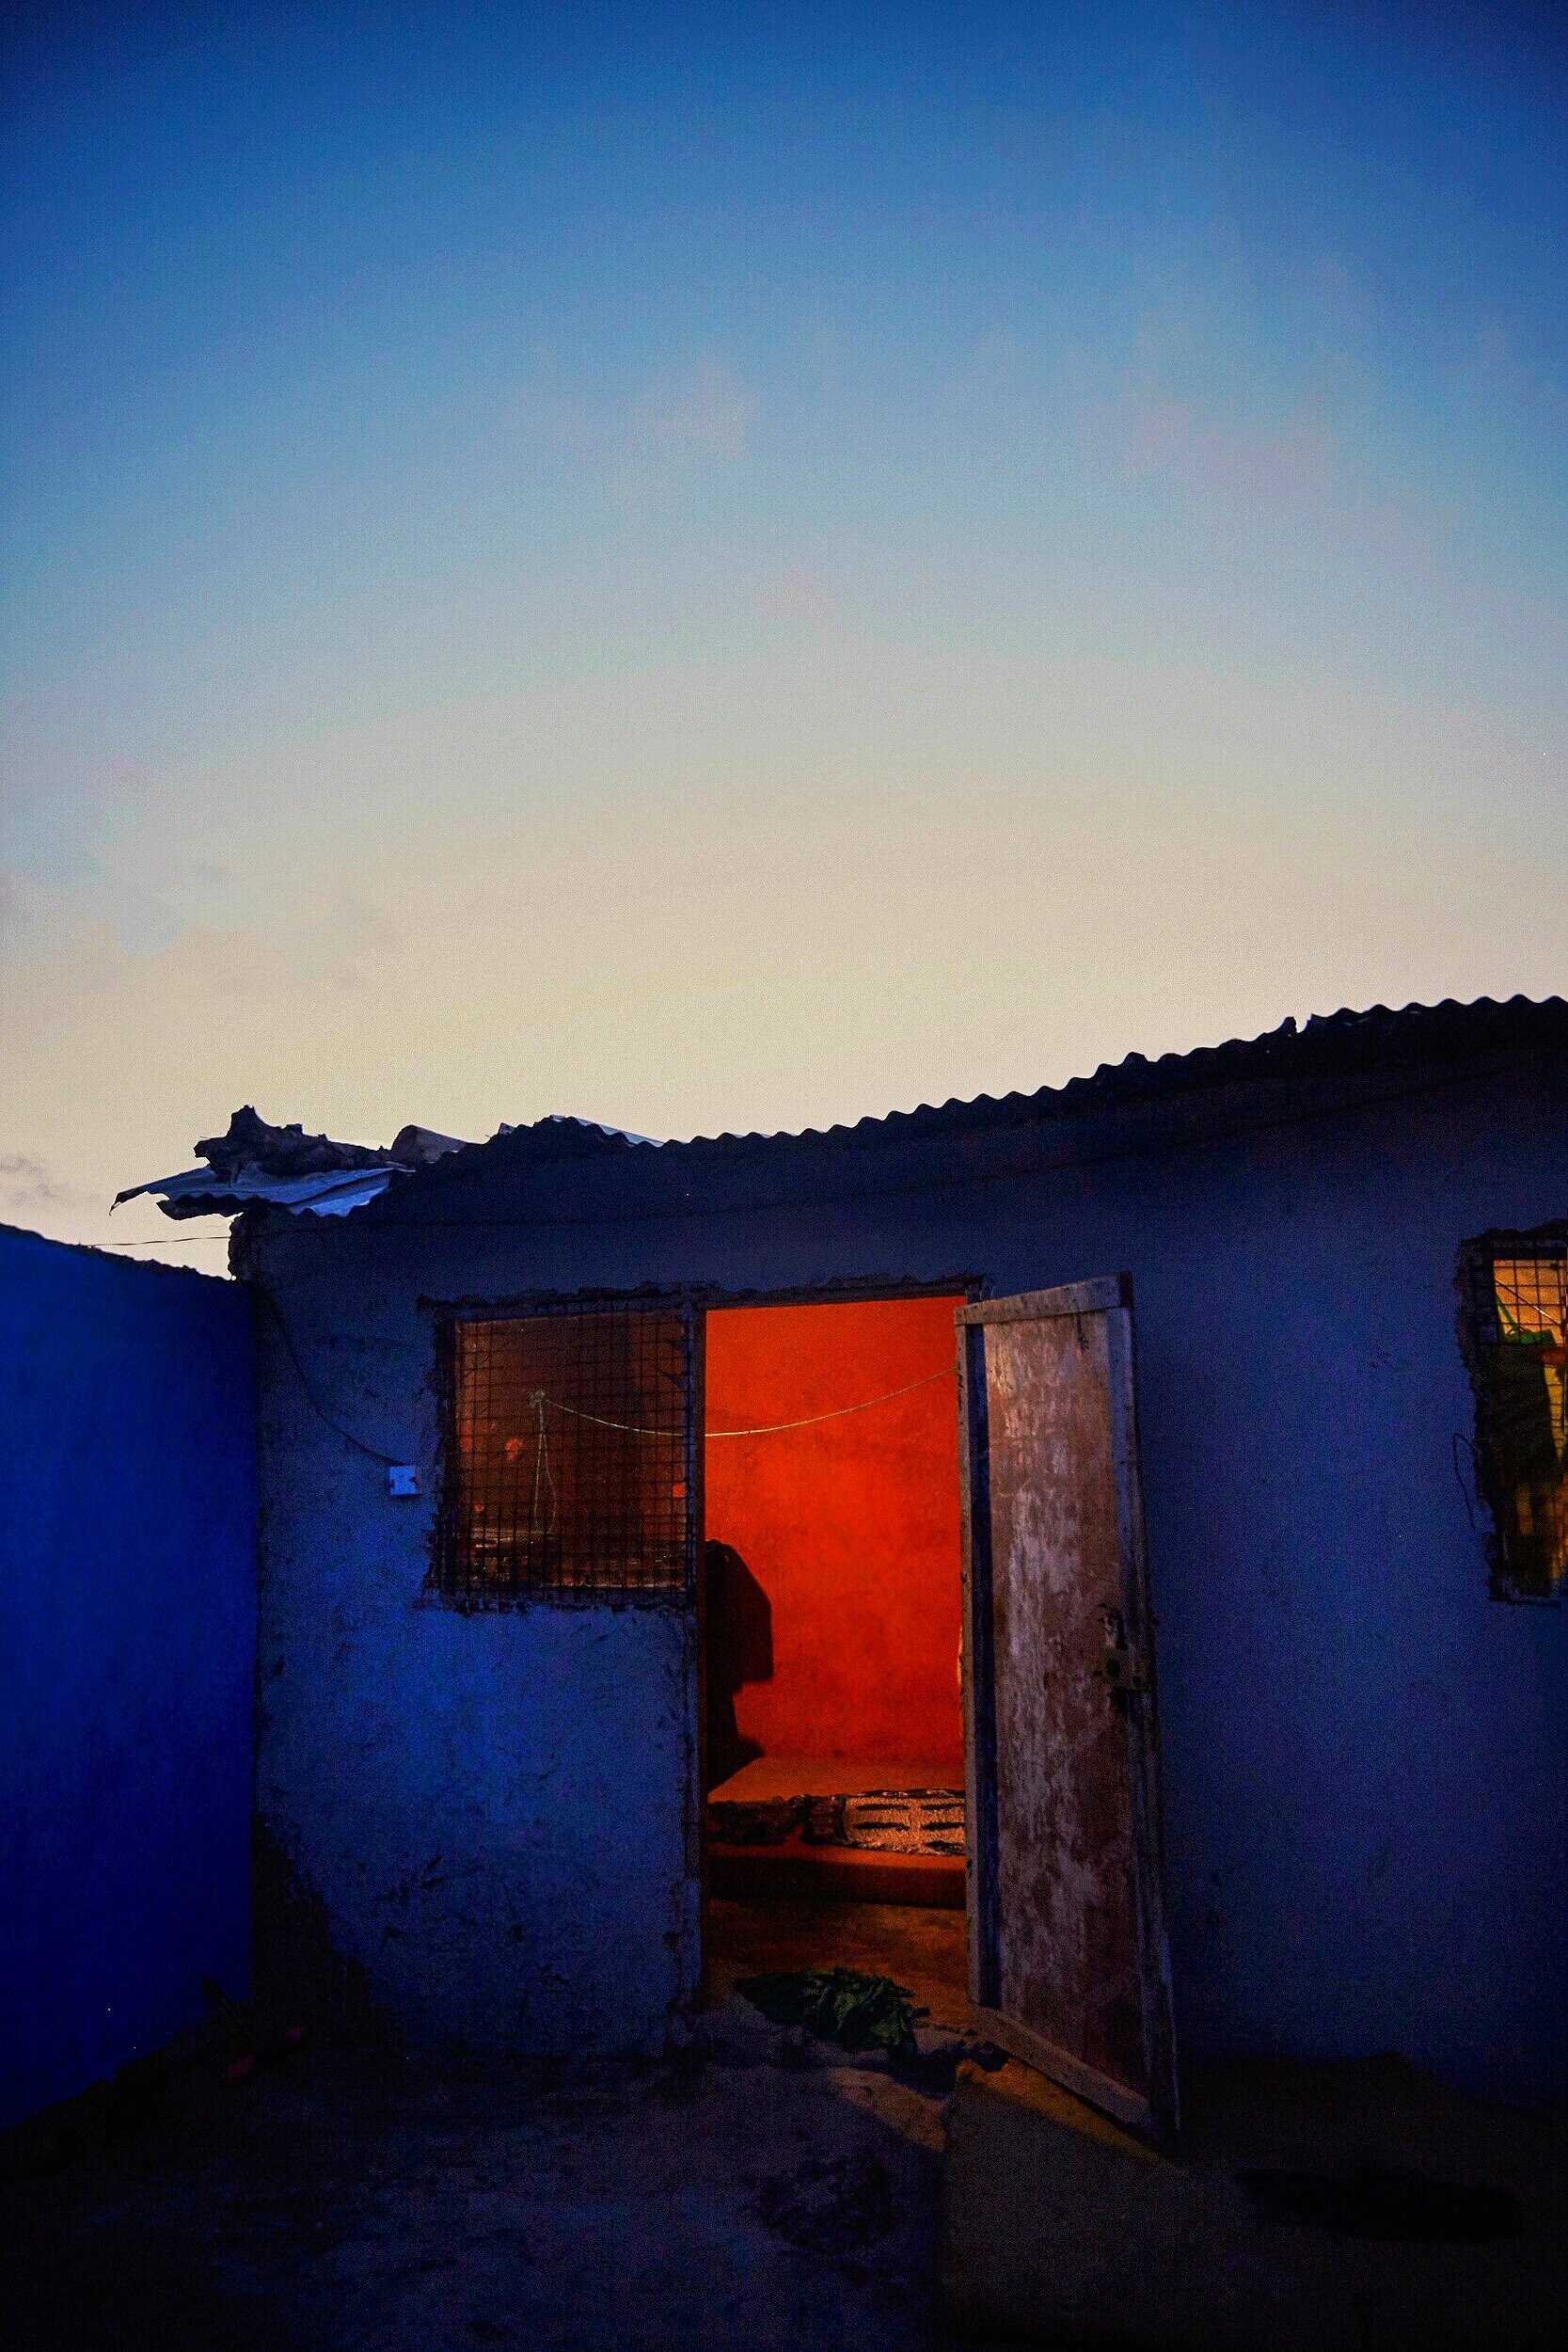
(926, 1951)
(759, 2192)
(1352, 2205)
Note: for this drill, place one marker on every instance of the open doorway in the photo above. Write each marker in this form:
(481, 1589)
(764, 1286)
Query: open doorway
(832, 1572)
(864, 1469)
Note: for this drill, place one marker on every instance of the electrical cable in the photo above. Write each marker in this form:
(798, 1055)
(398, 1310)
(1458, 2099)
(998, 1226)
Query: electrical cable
(391, 1461)
(158, 1241)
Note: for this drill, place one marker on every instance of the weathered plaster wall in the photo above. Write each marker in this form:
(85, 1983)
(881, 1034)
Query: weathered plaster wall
(127, 1533)
(850, 1526)
(491, 1808)
(1366, 1758)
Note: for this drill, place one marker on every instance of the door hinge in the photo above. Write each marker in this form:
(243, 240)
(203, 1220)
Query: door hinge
(1122, 1668)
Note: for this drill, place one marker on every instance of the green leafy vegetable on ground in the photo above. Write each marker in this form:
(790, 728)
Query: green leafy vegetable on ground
(840, 2005)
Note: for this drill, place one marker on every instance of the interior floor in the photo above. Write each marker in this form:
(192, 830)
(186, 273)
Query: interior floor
(925, 1950)
(831, 1631)
(791, 1868)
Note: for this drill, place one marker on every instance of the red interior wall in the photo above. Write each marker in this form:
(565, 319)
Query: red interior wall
(850, 1528)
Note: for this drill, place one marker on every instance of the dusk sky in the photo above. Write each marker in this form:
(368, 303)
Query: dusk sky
(745, 568)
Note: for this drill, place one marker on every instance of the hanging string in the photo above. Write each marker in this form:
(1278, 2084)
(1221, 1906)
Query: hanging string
(766, 1429)
(541, 1469)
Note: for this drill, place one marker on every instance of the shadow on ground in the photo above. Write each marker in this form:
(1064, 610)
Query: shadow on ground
(758, 2191)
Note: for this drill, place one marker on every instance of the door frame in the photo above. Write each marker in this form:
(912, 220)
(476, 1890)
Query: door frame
(848, 1291)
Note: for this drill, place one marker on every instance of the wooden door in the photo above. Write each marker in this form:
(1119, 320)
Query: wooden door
(1068, 1957)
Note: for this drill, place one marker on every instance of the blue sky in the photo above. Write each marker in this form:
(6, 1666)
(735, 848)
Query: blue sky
(743, 568)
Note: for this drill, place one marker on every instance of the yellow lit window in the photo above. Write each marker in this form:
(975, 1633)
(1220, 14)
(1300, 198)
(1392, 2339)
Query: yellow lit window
(1523, 1448)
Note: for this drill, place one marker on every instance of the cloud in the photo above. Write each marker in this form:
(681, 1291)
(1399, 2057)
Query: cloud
(17, 912)
(355, 943)
(26, 1186)
(798, 595)
(1499, 371)
(1297, 487)
(1254, 468)
(686, 424)
(346, 948)
(698, 417)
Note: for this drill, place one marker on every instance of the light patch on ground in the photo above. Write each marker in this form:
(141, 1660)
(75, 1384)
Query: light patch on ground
(914, 2114)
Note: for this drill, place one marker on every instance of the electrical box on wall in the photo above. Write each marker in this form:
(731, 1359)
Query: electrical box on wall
(403, 1478)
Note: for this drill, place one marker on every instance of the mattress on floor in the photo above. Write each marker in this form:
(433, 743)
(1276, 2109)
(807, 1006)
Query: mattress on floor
(875, 1820)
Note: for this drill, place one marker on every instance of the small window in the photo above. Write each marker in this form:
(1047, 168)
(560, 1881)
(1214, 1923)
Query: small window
(1518, 1287)
(568, 1459)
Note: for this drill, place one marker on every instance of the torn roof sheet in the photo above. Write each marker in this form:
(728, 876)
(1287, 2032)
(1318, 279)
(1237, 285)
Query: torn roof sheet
(314, 1175)
(201, 1192)
(282, 1168)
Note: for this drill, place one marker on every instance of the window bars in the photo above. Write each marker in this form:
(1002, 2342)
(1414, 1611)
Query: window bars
(570, 1468)
(1519, 1299)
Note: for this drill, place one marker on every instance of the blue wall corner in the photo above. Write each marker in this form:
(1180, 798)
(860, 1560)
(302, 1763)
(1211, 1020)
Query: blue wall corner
(128, 1543)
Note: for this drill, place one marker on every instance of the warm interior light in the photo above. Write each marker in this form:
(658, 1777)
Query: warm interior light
(848, 1527)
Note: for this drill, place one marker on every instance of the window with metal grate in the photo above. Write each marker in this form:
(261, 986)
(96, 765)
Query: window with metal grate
(570, 1466)
(1518, 1304)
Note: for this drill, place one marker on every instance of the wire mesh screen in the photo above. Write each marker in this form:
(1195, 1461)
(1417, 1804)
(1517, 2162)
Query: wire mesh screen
(569, 1465)
(1520, 1298)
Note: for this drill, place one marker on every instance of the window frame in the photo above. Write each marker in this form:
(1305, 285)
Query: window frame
(448, 1583)
(1481, 1338)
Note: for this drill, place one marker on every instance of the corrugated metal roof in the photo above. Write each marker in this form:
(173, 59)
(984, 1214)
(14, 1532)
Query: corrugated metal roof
(596, 1126)
(1326, 1046)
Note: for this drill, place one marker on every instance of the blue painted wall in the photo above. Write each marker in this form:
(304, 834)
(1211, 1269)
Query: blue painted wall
(1366, 1757)
(127, 1550)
